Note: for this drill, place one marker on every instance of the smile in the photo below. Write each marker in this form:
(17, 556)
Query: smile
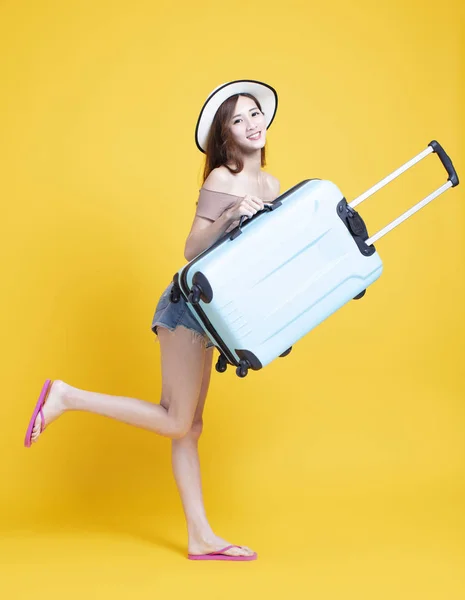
(255, 136)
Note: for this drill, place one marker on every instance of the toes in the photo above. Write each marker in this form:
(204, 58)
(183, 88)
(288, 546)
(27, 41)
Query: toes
(35, 431)
(239, 551)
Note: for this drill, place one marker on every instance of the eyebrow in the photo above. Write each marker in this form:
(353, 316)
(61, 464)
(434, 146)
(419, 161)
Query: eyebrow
(254, 108)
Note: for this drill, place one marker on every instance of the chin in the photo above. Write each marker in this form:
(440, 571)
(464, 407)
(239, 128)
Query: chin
(253, 147)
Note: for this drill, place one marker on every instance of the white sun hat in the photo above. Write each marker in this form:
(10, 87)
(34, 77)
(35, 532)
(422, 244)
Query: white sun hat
(264, 93)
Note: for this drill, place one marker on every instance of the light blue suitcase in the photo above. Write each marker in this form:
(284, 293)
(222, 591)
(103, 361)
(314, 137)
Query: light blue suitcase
(274, 278)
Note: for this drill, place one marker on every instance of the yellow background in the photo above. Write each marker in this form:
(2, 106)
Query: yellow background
(342, 464)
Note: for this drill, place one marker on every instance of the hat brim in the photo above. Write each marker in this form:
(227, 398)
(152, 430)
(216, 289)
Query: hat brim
(264, 93)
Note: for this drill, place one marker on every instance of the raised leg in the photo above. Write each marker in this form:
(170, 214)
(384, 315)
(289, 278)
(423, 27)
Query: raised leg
(182, 366)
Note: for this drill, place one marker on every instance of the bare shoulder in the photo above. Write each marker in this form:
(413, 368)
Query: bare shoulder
(219, 180)
(274, 184)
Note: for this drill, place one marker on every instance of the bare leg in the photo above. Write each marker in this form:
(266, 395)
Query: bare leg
(186, 464)
(186, 470)
(180, 394)
(186, 368)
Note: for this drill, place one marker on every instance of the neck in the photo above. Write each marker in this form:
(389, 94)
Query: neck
(252, 163)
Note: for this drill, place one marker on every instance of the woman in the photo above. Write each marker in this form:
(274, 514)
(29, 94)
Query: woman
(231, 131)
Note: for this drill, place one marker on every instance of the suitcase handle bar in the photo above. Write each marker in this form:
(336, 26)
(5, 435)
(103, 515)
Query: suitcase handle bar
(268, 207)
(452, 181)
(446, 161)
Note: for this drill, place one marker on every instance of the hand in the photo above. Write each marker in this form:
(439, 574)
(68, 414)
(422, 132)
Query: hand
(247, 206)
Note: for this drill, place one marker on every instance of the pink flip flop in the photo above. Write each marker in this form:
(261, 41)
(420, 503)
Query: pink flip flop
(38, 408)
(219, 555)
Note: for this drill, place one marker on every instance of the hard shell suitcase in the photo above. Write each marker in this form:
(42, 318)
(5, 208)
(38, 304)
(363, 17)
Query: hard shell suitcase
(276, 276)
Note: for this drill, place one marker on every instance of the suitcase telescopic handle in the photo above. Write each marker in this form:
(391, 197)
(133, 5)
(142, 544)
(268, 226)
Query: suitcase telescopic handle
(452, 181)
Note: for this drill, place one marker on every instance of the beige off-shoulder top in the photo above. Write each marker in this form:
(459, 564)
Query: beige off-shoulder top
(211, 205)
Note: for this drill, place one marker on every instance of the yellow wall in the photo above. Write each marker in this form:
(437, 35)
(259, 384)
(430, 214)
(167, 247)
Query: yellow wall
(100, 176)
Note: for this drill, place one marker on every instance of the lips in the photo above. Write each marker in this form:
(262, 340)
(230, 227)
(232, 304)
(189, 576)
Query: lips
(256, 136)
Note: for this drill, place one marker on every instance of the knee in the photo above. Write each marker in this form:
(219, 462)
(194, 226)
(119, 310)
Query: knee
(196, 429)
(179, 430)
(191, 431)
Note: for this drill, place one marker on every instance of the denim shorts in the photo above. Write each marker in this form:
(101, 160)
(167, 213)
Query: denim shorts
(171, 315)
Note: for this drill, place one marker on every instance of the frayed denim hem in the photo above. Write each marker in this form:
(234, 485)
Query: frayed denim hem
(196, 337)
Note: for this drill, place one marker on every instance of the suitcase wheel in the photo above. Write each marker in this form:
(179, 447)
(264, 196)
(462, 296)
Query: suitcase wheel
(222, 364)
(201, 289)
(195, 295)
(242, 369)
(358, 296)
(285, 353)
(175, 294)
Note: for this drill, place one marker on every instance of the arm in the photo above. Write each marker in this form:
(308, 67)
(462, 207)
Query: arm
(205, 233)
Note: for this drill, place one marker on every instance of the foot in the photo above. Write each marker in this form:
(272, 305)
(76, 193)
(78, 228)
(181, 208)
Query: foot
(215, 543)
(54, 406)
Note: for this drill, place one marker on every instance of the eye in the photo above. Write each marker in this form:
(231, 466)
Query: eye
(255, 113)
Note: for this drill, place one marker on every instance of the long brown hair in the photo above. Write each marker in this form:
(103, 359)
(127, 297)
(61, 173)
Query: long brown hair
(220, 145)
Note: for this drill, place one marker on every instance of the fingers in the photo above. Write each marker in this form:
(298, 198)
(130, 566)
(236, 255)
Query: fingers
(255, 202)
(250, 205)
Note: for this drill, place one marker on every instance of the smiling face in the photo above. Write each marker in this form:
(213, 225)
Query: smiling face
(248, 125)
